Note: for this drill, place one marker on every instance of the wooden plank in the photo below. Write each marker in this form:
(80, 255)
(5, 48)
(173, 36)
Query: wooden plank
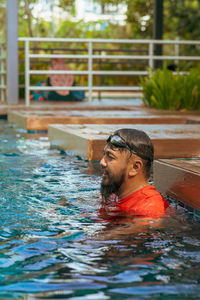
(170, 141)
(179, 179)
(193, 120)
(66, 106)
(39, 120)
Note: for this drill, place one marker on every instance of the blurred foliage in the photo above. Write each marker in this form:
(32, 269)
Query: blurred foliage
(30, 25)
(3, 20)
(165, 90)
(181, 20)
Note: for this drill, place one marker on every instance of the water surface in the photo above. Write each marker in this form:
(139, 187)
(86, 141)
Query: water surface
(53, 249)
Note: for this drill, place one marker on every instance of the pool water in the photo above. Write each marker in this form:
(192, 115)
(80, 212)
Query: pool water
(53, 249)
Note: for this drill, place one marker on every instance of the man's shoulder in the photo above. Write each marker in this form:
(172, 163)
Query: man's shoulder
(153, 197)
(147, 201)
(149, 190)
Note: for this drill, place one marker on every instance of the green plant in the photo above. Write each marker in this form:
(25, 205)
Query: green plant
(163, 89)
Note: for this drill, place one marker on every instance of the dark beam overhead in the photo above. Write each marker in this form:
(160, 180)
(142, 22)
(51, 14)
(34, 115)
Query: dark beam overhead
(158, 29)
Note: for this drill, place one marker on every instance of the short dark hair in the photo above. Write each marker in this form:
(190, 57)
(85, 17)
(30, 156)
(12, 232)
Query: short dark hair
(140, 142)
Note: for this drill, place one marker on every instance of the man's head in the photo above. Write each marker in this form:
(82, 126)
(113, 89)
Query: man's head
(128, 156)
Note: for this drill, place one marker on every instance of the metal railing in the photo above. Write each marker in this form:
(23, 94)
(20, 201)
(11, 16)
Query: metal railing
(2, 74)
(91, 57)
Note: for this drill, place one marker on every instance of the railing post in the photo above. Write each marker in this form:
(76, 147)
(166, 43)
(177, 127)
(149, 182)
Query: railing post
(151, 62)
(176, 48)
(90, 79)
(27, 77)
(2, 76)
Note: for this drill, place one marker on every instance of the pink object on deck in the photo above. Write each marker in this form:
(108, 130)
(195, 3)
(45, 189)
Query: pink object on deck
(58, 64)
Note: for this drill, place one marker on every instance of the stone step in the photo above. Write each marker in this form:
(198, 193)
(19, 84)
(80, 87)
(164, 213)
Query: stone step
(179, 179)
(39, 120)
(64, 105)
(170, 141)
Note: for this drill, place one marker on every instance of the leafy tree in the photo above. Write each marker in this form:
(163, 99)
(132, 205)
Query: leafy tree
(184, 19)
(181, 18)
(32, 26)
(66, 4)
(3, 20)
(26, 18)
(140, 18)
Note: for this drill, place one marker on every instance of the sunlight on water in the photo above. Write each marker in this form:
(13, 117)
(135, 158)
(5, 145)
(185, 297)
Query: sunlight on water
(53, 244)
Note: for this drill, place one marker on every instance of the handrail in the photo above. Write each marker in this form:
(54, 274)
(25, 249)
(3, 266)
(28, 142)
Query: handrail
(92, 58)
(123, 41)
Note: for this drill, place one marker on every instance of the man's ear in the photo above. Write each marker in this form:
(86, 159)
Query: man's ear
(135, 167)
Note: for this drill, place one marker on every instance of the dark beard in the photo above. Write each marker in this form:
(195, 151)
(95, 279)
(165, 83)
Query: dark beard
(112, 187)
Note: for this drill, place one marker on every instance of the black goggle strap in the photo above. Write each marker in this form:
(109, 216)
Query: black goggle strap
(118, 141)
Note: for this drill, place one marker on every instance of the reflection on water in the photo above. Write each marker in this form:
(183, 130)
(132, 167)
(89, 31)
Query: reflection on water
(57, 249)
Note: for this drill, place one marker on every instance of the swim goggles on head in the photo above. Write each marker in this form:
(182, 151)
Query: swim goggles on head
(119, 142)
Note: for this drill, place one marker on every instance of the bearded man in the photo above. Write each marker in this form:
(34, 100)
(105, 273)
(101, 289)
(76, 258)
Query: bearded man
(125, 188)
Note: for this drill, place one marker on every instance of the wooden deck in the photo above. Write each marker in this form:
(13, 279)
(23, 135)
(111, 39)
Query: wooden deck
(170, 141)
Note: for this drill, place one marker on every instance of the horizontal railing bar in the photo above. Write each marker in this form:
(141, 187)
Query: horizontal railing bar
(95, 72)
(119, 72)
(46, 62)
(52, 72)
(82, 40)
(176, 57)
(60, 88)
(85, 49)
(87, 72)
(132, 57)
(120, 56)
(117, 88)
(175, 42)
(163, 57)
(124, 41)
(83, 88)
(95, 56)
(58, 56)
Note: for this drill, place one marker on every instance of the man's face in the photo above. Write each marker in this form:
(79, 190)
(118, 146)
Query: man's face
(114, 165)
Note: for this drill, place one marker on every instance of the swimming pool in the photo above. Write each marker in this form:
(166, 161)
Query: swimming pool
(53, 251)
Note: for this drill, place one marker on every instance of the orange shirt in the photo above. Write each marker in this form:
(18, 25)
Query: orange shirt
(146, 202)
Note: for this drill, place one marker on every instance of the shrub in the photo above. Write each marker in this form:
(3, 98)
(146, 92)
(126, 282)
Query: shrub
(163, 89)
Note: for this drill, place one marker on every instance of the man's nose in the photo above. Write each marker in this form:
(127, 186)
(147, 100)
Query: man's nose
(103, 162)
